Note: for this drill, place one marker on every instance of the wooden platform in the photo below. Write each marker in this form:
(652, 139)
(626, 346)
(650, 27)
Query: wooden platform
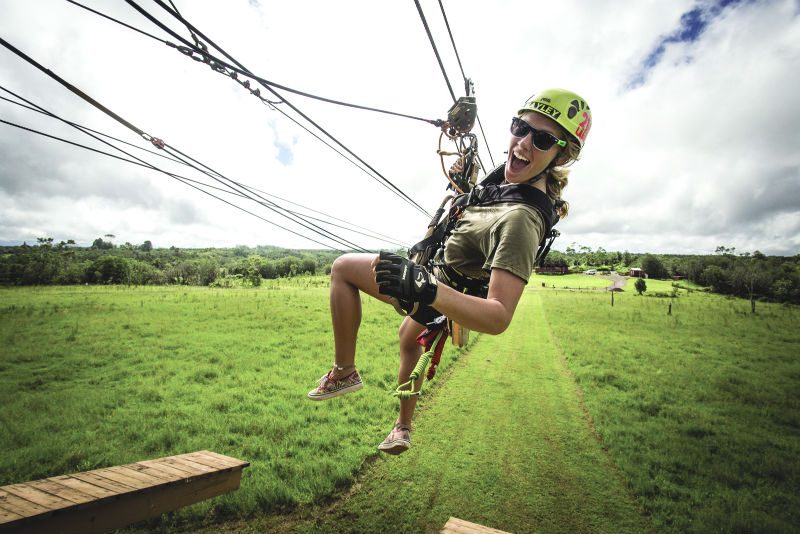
(110, 498)
(459, 526)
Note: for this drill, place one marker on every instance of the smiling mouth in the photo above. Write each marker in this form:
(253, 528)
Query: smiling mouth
(518, 163)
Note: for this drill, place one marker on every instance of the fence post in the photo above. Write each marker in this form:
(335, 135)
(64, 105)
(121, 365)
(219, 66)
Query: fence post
(669, 311)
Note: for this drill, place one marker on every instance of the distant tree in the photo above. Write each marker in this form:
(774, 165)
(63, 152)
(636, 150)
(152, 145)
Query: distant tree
(627, 258)
(102, 245)
(782, 289)
(653, 267)
(110, 270)
(714, 276)
(749, 277)
(640, 285)
(147, 246)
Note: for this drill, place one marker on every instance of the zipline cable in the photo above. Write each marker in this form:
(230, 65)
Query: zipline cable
(172, 45)
(198, 182)
(161, 170)
(155, 141)
(464, 76)
(434, 122)
(352, 227)
(87, 128)
(153, 167)
(435, 50)
(160, 144)
(266, 84)
(211, 174)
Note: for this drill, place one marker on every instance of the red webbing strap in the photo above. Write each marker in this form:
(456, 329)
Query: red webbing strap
(427, 338)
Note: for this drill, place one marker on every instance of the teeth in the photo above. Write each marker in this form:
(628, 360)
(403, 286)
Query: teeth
(526, 160)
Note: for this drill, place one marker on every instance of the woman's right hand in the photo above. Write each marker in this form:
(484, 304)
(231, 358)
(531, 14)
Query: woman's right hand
(457, 167)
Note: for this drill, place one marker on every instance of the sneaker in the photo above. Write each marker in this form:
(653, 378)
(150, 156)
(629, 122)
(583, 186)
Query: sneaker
(330, 387)
(398, 440)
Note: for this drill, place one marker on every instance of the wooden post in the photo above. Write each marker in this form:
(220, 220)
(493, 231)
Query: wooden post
(612, 298)
(669, 310)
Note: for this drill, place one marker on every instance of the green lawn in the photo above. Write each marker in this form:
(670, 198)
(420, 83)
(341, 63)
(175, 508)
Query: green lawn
(699, 408)
(97, 376)
(574, 420)
(570, 281)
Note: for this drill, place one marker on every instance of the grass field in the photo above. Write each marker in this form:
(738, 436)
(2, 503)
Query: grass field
(97, 376)
(698, 411)
(571, 281)
(698, 408)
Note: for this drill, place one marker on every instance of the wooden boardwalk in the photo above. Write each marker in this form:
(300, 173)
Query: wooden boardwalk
(455, 525)
(113, 497)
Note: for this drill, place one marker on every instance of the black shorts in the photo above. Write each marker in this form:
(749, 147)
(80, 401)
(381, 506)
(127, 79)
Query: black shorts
(427, 315)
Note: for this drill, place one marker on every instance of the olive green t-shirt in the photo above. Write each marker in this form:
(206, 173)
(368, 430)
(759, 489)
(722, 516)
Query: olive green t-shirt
(500, 236)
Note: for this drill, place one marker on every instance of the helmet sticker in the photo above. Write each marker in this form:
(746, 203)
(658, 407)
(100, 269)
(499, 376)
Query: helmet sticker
(584, 127)
(547, 109)
(575, 106)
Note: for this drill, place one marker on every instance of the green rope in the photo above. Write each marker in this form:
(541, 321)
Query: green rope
(419, 369)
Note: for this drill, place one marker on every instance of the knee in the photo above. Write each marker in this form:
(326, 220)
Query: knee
(340, 267)
(408, 337)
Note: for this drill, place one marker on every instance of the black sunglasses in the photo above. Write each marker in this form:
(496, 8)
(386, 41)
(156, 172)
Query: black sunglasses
(542, 140)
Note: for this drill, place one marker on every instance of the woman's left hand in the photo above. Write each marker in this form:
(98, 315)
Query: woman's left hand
(411, 284)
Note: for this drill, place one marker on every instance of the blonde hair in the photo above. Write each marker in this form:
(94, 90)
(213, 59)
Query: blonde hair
(556, 176)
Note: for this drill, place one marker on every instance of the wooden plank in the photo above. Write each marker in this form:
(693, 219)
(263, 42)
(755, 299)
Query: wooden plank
(132, 507)
(7, 515)
(210, 461)
(227, 461)
(83, 486)
(113, 497)
(18, 505)
(29, 493)
(190, 470)
(166, 468)
(103, 482)
(124, 470)
(171, 464)
(65, 492)
(194, 465)
(459, 526)
(112, 474)
(155, 473)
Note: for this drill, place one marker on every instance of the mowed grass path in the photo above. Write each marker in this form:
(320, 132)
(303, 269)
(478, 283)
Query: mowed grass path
(504, 442)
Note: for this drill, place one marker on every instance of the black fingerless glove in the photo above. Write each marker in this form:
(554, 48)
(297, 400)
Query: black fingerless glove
(410, 284)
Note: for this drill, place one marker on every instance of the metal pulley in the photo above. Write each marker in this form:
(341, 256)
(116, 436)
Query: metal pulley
(461, 116)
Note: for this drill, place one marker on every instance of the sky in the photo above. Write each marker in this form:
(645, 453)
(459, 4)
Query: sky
(694, 140)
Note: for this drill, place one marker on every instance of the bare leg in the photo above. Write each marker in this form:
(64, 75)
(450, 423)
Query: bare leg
(410, 351)
(350, 274)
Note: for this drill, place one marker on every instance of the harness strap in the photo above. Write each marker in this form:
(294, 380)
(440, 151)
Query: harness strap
(463, 283)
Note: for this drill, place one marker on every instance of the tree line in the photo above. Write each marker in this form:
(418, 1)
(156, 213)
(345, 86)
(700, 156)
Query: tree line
(749, 275)
(106, 263)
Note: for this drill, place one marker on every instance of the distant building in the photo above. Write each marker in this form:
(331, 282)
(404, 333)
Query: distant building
(636, 272)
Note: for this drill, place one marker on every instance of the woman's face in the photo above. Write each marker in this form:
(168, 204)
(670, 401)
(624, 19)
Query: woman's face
(524, 161)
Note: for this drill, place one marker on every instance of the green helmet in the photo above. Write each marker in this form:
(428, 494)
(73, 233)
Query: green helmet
(566, 108)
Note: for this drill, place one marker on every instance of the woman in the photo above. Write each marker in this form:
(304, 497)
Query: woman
(495, 242)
